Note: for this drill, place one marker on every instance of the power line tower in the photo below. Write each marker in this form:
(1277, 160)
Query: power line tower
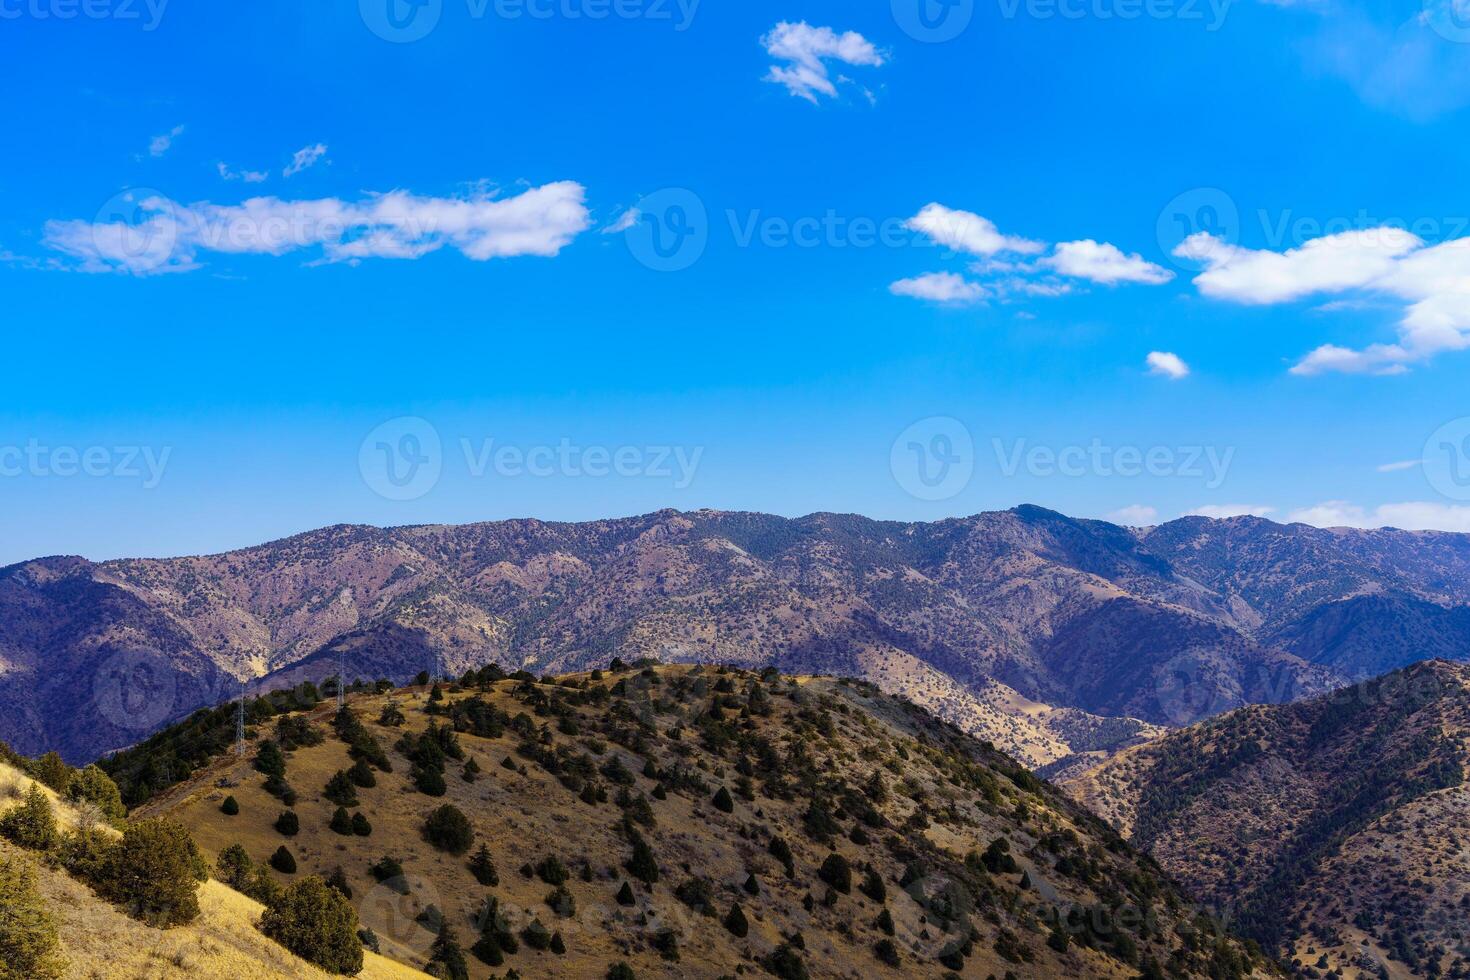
(240, 722)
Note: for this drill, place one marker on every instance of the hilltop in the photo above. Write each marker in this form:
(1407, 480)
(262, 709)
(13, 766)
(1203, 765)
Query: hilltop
(1333, 828)
(687, 821)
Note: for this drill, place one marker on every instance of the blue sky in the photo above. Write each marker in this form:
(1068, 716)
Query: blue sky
(265, 269)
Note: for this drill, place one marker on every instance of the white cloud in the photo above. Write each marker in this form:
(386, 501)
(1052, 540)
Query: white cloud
(168, 237)
(160, 144)
(1104, 263)
(1434, 282)
(1407, 464)
(940, 287)
(1223, 511)
(1408, 516)
(307, 156)
(1167, 365)
(1134, 515)
(626, 220)
(965, 231)
(249, 176)
(806, 51)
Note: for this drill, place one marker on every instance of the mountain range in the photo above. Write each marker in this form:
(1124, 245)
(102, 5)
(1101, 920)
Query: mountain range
(1331, 830)
(1053, 637)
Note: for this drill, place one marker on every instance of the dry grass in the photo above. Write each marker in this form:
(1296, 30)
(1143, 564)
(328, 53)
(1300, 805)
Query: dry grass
(101, 943)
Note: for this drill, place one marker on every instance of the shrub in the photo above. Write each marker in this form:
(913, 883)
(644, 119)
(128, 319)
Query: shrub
(153, 873)
(449, 830)
(483, 868)
(736, 922)
(362, 775)
(270, 760)
(340, 789)
(360, 825)
(886, 952)
(621, 971)
(873, 886)
(288, 824)
(446, 959)
(536, 935)
(230, 807)
(234, 868)
(341, 822)
(31, 823)
(92, 785)
(318, 924)
(786, 963)
(837, 872)
(392, 716)
(642, 864)
(389, 872)
(283, 862)
(552, 871)
(430, 782)
(29, 944)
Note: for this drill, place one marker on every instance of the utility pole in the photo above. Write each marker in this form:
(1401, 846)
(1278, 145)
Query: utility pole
(341, 678)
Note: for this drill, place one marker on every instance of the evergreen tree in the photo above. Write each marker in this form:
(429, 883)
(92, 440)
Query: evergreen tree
(446, 959)
(482, 866)
(94, 786)
(362, 775)
(341, 822)
(836, 872)
(230, 807)
(449, 830)
(736, 922)
(288, 824)
(283, 862)
(30, 947)
(318, 924)
(234, 868)
(625, 896)
(642, 864)
(31, 823)
(154, 873)
(723, 802)
(360, 825)
(340, 789)
(270, 760)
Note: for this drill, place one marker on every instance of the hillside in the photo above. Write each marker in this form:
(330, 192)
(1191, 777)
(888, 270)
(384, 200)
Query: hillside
(972, 617)
(1333, 827)
(98, 940)
(851, 829)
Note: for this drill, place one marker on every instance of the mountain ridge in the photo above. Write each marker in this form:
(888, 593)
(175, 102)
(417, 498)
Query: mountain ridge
(1164, 625)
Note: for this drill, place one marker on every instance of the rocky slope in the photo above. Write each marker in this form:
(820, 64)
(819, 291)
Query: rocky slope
(857, 835)
(1333, 830)
(971, 616)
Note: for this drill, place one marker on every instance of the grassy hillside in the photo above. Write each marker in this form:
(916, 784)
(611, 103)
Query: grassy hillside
(98, 940)
(1333, 827)
(857, 835)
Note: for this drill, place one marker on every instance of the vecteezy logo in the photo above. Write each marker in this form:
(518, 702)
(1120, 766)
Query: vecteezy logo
(135, 689)
(401, 21)
(1447, 459)
(137, 229)
(1186, 690)
(1450, 19)
(1204, 209)
(391, 911)
(672, 230)
(933, 21)
(401, 459)
(934, 458)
